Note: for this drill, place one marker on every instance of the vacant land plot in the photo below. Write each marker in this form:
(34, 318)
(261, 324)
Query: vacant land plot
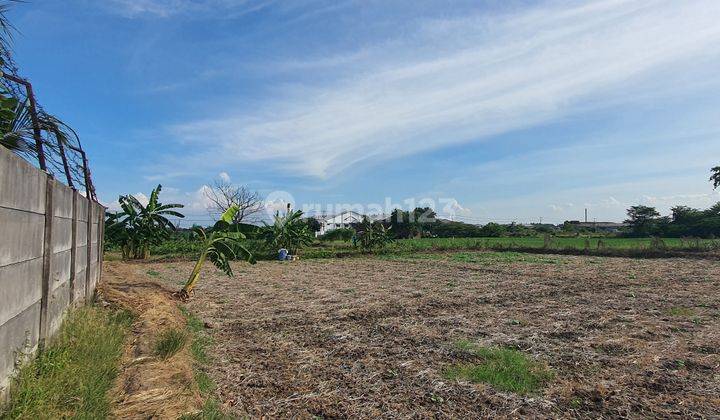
(424, 336)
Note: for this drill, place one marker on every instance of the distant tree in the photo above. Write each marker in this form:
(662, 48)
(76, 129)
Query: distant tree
(223, 195)
(450, 229)
(313, 224)
(400, 223)
(493, 230)
(411, 224)
(543, 228)
(685, 214)
(714, 210)
(715, 176)
(424, 215)
(642, 219)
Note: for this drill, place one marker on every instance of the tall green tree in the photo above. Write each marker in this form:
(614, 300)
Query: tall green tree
(715, 176)
(411, 224)
(642, 219)
(313, 224)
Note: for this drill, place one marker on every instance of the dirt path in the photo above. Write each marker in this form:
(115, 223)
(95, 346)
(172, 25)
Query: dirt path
(148, 387)
(370, 338)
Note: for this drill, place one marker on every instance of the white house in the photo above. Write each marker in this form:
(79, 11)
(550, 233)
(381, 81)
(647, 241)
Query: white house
(345, 219)
(341, 220)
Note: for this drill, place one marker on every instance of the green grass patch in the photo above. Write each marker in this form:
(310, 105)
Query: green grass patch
(211, 409)
(406, 257)
(505, 369)
(153, 273)
(73, 375)
(680, 311)
(194, 323)
(170, 342)
(490, 258)
(475, 257)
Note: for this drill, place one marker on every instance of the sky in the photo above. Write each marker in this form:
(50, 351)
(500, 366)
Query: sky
(488, 110)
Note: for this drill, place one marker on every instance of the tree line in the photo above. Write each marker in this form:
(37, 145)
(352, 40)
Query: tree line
(683, 221)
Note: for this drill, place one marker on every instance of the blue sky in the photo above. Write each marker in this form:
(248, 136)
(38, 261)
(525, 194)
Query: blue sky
(507, 110)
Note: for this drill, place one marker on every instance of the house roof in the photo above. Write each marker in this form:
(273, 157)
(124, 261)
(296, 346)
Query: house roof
(331, 216)
(373, 217)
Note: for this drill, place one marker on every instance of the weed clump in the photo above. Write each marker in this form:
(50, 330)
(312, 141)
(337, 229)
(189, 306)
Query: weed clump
(170, 342)
(505, 369)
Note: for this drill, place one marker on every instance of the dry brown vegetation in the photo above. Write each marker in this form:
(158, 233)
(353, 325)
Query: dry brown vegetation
(370, 337)
(149, 385)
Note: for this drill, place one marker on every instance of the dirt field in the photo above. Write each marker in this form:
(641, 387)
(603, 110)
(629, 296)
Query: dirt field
(371, 337)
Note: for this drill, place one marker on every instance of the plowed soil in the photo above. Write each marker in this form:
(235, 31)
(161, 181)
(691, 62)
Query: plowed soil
(370, 337)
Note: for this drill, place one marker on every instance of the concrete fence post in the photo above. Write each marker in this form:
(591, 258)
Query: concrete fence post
(47, 261)
(101, 241)
(89, 249)
(73, 247)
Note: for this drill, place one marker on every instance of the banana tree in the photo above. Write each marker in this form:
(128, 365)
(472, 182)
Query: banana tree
(371, 235)
(288, 231)
(220, 246)
(139, 226)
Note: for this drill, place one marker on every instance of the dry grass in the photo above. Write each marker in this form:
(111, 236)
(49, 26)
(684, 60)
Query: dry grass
(369, 337)
(151, 384)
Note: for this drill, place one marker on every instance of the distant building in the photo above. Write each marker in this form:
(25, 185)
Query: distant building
(610, 227)
(344, 219)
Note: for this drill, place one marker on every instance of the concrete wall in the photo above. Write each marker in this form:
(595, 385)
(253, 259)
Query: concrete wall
(45, 229)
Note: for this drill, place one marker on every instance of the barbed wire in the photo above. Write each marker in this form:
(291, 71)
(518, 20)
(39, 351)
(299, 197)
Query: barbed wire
(43, 139)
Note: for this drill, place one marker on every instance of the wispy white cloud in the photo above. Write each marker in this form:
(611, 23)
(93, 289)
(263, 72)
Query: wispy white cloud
(166, 175)
(224, 176)
(169, 8)
(296, 10)
(461, 80)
